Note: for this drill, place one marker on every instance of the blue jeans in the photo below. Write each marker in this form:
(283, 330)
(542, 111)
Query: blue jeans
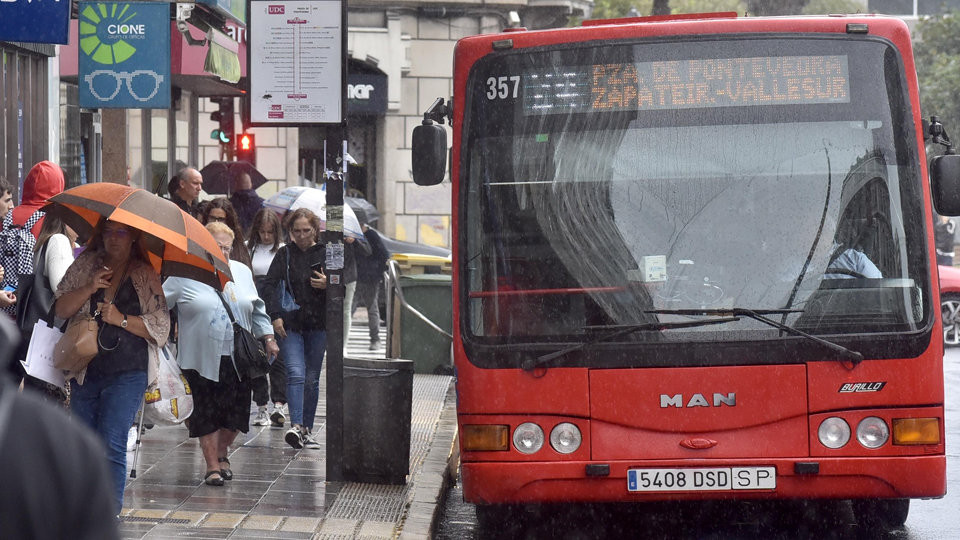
(109, 405)
(303, 352)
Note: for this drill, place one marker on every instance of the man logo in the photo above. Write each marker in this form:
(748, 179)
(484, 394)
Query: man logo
(697, 400)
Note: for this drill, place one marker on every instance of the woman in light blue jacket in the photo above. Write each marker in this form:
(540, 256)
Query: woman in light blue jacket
(221, 399)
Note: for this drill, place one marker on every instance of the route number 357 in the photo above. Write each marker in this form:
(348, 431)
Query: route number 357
(502, 87)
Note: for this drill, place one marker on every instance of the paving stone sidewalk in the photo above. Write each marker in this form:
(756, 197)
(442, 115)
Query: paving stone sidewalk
(279, 492)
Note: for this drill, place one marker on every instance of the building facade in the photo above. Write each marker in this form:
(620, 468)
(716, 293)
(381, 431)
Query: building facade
(400, 59)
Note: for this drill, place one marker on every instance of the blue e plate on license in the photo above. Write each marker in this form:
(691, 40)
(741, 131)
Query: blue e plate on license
(702, 479)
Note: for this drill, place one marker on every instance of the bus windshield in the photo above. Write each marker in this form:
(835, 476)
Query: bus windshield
(599, 184)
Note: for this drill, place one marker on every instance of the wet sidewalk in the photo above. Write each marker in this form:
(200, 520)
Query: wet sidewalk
(280, 492)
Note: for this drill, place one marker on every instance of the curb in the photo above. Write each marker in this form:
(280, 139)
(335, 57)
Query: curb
(430, 485)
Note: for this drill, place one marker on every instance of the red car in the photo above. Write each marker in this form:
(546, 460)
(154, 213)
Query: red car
(950, 303)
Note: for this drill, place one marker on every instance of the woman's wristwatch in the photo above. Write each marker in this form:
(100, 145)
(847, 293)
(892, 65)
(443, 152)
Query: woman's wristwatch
(268, 339)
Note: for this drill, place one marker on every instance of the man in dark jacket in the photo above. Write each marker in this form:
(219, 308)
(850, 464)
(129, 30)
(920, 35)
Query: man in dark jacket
(245, 201)
(185, 189)
(370, 269)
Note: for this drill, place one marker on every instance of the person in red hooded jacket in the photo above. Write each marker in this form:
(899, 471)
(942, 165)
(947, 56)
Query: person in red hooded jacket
(44, 180)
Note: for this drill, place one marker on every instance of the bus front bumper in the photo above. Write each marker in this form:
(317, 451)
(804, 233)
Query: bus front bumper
(834, 478)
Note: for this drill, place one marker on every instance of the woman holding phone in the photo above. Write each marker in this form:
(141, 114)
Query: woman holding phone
(297, 271)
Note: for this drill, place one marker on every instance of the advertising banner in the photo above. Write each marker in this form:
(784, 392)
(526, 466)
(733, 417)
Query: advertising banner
(296, 65)
(33, 21)
(124, 57)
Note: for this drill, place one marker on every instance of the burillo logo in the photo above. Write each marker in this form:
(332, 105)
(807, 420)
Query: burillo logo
(108, 31)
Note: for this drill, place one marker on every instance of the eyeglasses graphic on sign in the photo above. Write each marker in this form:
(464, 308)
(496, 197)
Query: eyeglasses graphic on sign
(142, 84)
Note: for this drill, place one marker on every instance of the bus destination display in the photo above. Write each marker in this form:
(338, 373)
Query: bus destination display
(687, 84)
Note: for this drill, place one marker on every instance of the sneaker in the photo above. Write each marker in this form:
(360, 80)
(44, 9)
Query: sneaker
(132, 439)
(279, 414)
(261, 419)
(294, 437)
(310, 442)
(374, 345)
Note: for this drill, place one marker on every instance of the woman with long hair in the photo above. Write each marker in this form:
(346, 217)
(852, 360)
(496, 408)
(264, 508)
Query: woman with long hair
(266, 238)
(112, 277)
(55, 246)
(53, 253)
(221, 209)
(301, 329)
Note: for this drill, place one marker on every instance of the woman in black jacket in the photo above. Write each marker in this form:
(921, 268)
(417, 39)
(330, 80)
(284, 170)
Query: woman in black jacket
(297, 273)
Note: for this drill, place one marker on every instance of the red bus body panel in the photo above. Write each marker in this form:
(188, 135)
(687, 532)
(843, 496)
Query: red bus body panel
(778, 407)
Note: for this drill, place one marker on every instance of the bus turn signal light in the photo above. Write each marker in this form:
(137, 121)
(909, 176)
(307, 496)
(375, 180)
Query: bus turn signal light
(481, 437)
(911, 431)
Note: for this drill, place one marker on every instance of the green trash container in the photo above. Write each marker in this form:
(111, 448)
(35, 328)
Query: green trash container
(409, 336)
(377, 406)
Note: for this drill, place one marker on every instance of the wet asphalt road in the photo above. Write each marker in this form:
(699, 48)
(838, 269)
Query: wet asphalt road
(928, 520)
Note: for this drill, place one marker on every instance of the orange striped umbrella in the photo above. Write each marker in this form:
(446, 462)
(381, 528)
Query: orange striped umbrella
(175, 243)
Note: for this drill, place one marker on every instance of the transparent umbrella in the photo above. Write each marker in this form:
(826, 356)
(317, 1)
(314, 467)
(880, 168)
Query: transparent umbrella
(315, 200)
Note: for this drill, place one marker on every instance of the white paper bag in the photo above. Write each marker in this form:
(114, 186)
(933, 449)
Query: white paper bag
(39, 362)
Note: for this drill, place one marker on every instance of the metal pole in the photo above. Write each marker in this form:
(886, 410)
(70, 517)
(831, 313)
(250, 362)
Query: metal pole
(171, 148)
(335, 337)
(335, 307)
(146, 145)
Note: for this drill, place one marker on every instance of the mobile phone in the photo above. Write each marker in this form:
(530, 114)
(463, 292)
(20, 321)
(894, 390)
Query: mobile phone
(9, 288)
(318, 266)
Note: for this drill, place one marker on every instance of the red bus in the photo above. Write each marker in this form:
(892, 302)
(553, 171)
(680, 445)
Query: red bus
(694, 259)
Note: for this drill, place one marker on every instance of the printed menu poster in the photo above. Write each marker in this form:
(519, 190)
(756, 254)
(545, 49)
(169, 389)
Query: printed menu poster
(296, 69)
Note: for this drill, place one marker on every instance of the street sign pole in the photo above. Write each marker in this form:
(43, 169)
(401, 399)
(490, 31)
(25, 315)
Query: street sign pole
(336, 340)
(335, 311)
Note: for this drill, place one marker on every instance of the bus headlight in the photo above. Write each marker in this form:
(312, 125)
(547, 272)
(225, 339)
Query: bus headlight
(528, 438)
(565, 438)
(872, 432)
(834, 432)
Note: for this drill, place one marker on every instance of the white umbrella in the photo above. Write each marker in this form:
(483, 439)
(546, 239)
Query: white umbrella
(315, 200)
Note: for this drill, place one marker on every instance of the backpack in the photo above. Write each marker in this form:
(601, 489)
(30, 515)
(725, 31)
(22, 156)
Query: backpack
(16, 249)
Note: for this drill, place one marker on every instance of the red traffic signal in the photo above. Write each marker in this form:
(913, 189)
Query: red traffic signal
(247, 148)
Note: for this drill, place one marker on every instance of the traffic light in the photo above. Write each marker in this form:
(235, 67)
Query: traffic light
(224, 117)
(247, 148)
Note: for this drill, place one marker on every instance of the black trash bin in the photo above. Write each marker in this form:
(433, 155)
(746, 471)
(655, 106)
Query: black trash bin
(377, 402)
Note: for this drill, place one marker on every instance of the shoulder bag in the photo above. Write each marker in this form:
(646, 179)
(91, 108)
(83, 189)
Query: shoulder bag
(249, 355)
(78, 345)
(287, 302)
(34, 296)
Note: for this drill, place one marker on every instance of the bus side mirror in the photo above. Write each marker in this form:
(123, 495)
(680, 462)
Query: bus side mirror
(945, 184)
(430, 153)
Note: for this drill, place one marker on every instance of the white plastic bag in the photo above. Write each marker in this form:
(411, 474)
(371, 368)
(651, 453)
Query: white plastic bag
(39, 361)
(170, 401)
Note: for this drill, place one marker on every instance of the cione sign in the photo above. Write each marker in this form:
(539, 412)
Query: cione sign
(124, 55)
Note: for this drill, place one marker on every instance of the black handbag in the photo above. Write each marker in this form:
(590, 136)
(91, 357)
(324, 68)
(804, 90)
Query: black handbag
(34, 296)
(249, 355)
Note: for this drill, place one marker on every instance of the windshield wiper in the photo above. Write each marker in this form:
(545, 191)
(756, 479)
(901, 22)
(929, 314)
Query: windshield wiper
(757, 315)
(531, 363)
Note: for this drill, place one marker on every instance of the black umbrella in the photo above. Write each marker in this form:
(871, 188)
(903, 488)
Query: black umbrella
(218, 174)
(365, 210)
